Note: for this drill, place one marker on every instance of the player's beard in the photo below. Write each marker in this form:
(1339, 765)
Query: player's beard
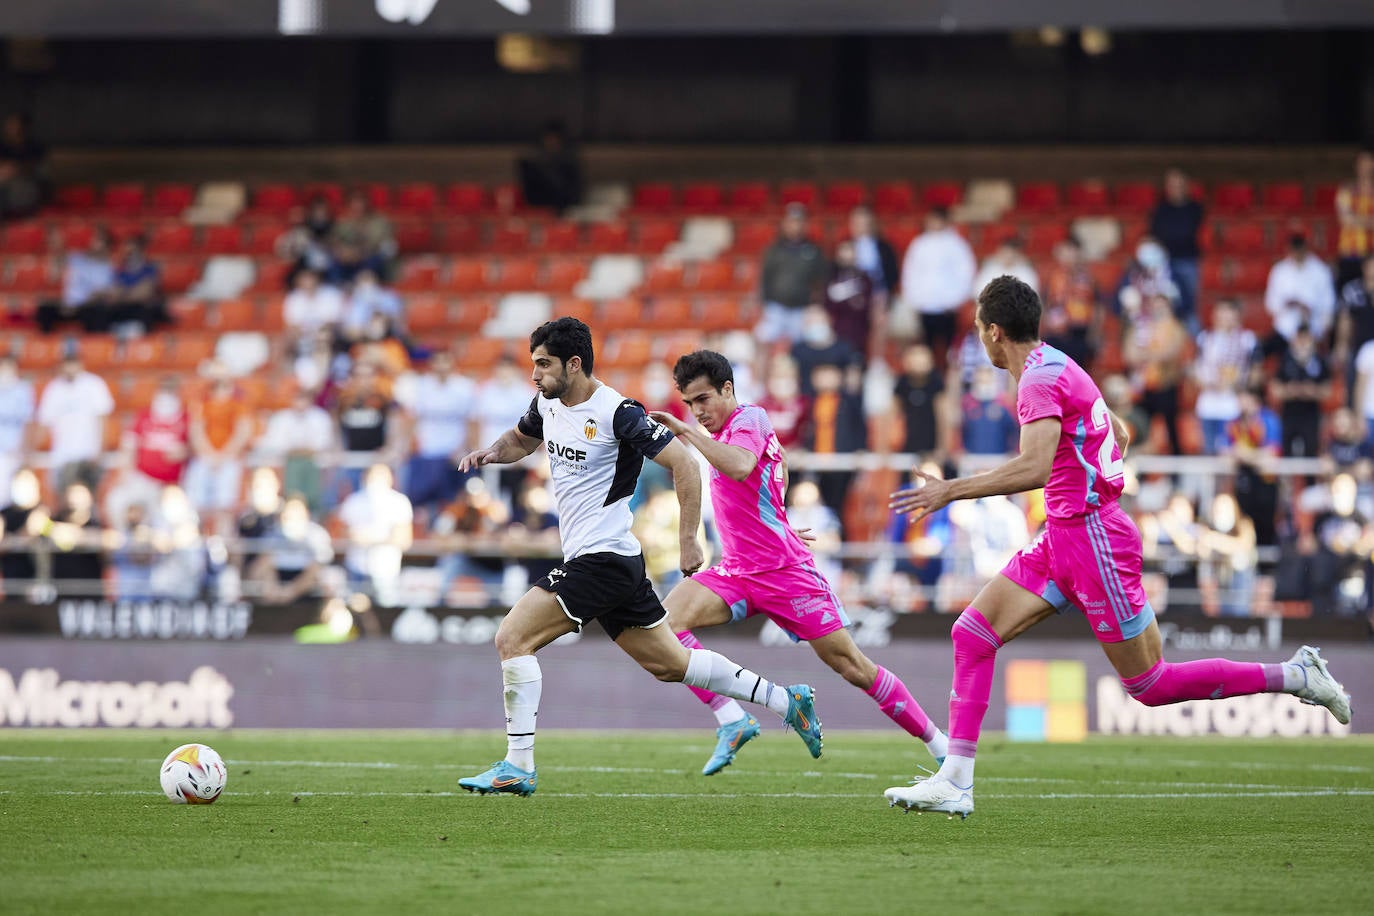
(553, 388)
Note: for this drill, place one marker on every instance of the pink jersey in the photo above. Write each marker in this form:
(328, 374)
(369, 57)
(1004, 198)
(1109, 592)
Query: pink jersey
(750, 513)
(1087, 472)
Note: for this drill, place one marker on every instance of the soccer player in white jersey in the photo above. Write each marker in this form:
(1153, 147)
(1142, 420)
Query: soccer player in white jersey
(1088, 557)
(765, 567)
(597, 441)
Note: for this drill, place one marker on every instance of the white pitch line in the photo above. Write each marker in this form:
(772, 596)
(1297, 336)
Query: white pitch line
(1315, 792)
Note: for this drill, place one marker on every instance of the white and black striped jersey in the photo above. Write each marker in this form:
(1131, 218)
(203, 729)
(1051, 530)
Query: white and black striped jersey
(596, 451)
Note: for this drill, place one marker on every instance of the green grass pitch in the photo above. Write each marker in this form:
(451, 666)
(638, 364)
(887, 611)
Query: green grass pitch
(354, 822)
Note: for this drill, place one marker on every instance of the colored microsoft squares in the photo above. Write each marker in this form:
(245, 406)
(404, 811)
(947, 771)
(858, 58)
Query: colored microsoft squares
(1046, 701)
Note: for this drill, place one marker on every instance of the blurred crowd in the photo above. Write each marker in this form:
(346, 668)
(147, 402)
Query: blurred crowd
(352, 485)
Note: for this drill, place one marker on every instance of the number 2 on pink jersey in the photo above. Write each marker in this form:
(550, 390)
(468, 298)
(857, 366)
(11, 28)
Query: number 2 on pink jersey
(1112, 468)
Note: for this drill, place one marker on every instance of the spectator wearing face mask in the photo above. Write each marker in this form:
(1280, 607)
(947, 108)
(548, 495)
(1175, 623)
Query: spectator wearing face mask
(820, 347)
(1146, 277)
(989, 425)
(297, 551)
(367, 299)
(153, 453)
(787, 407)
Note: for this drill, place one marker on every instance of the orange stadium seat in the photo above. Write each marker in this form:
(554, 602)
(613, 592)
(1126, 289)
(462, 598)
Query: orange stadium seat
(171, 199)
(562, 274)
(703, 197)
(270, 277)
(655, 197)
(518, 275)
(713, 276)
(137, 391)
(1088, 196)
(467, 198)
(466, 275)
(24, 238)
(124, 198)
(665, 277)
(670, 312)
(419, 197)
(1250, 275)
(654, 235)
(98, 352)
(427, 313)
(478, 354)
(458, 236)
(627, 349)
(37, 352)
(845, 195)
(583, 310)
(563, 236)
(262, 238)
(722, 313)
(798, 192)
(171, 238)
(186, 351)
(277, 198)
(750, 197)
(418, 275)
(942, 194)
(234, 315)
(1037, 196)
(894, 197)
(624, 313)
(668, 347)
(80, 197)
(471, 312)
(222, 240)
(186, 313)
(121, 230)
(753, 236)
(28, 274)
(1233, 197)
(608, 237)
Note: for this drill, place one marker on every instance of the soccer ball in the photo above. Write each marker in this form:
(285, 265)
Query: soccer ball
(193, 774)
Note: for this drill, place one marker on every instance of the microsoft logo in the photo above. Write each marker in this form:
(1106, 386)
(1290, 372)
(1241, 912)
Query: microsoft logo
(1047, 700)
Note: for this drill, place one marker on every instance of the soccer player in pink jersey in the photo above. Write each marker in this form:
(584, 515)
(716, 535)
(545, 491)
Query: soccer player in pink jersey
(1088, 555)
(766, 567)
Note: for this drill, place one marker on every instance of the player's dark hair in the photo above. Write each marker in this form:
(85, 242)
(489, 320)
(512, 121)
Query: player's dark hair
(565, 338)
(1013, 306)
(692, 366)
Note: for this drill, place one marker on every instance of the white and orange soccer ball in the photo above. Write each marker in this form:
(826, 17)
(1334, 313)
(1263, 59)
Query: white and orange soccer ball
(193, 774)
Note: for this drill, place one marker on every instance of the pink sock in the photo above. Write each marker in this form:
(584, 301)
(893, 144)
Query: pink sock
(897, 704)
(1208, 679)
(975, 654)
(713, 700)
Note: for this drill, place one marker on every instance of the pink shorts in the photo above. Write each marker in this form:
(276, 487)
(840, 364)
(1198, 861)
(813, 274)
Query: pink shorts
(1091, 563)
(796, 598)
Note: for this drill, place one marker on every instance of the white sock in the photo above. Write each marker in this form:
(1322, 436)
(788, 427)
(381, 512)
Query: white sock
(523, 684)
(730, 711)
(958, 770)
(938, 745)
(716, 673)
(1294, 677)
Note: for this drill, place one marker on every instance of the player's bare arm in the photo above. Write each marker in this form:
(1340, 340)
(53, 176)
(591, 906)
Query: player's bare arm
(1027, 471)
(731, 460)
(510, 447)
(687, 482)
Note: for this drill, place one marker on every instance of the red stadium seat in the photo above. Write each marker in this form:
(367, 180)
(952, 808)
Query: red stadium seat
(1250, 275)
(415, 237)
(1324, 197)
(270, 277)
(798, 192)
(467, 198)
(470, 313)
(1137, 196)
(703, 197)
(24, 238)
(993, 235)
(144, 353)
(627, 350)
(28, 274)
(75, 197)
(1041, 238)
(845, 195)
(418, 275)
(76, 236)
(171, 199)
(125, 198)
(419, 197)
(1233, 197)
(331, 191)
(222, 240)
(262, 238)
(654, 235)
(1241, 238)
(584, 310)
(562, 274)
(180, 275)
(276, 199)
(608, 237)
(121, 230)
(1088, 196)
(562, 236)
(753, 236)
(171, 238)
(459, 237)
(750, 197)
(655, 197)
(893, 198)
(942, 194)
(1037, 197)
(1284, 196)
(510, 237)
(378, 194)
(722, 313)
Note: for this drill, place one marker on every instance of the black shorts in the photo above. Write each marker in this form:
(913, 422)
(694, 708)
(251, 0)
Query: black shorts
(608, 588)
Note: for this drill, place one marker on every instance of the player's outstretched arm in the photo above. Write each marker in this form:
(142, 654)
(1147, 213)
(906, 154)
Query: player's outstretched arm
(731, 460)
(687, 482)
(1027, 471)
(512, 446)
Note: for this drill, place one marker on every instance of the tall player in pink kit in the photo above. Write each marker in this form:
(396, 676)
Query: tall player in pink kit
(1087, 557)
(765, 568)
